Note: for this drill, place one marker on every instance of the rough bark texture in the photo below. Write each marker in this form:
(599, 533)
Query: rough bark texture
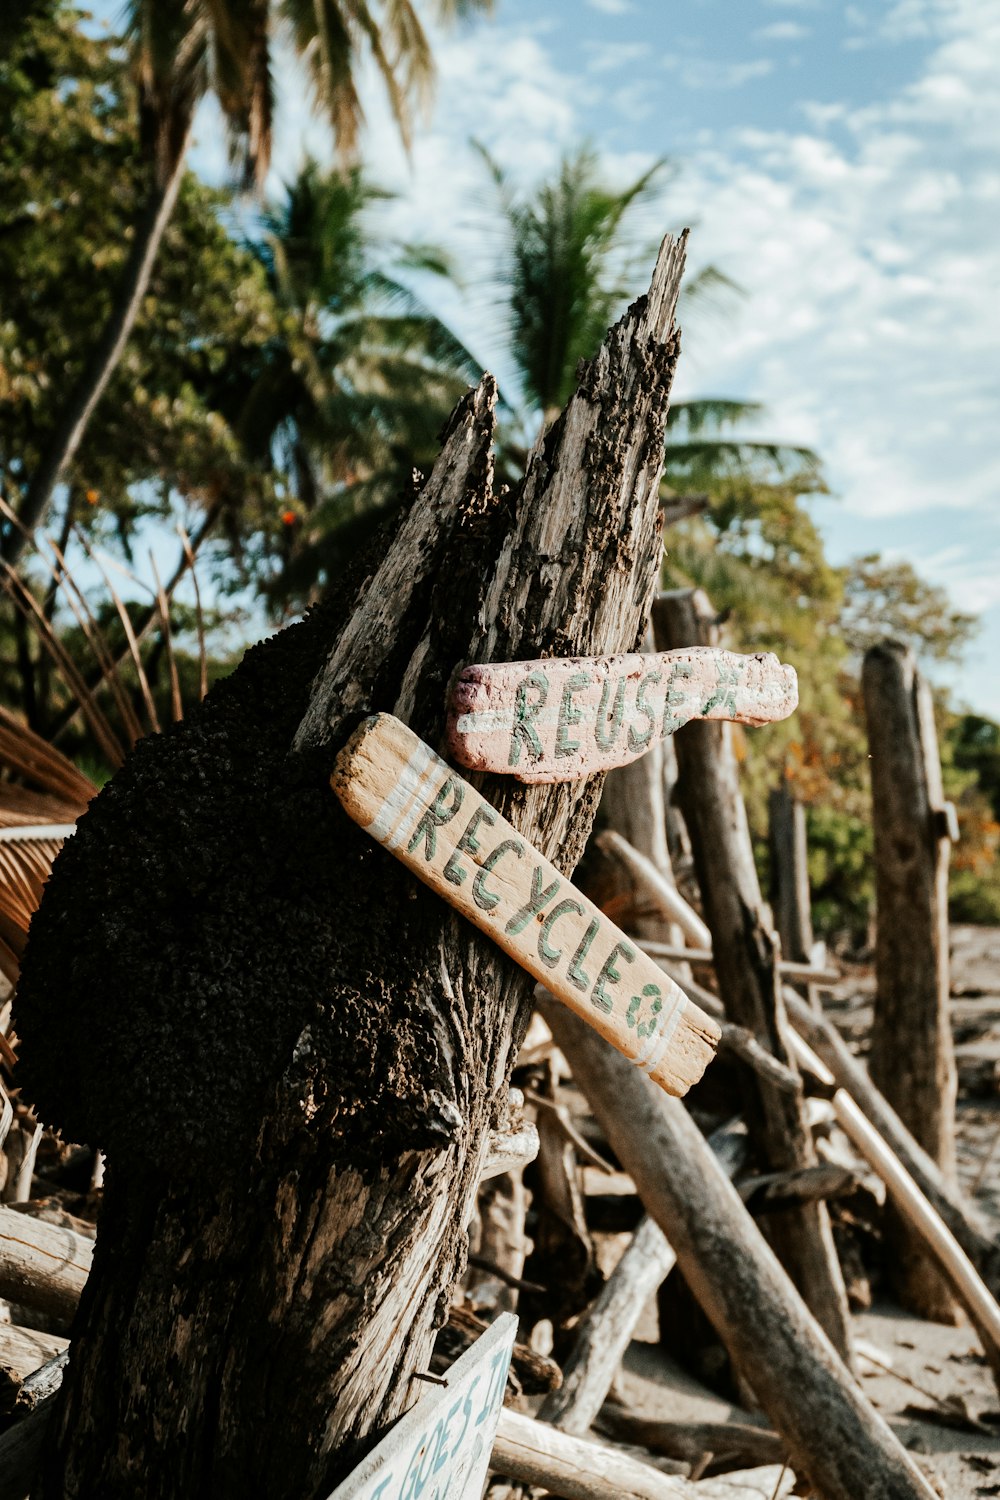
(790, 874)
(832, 1432)
(912, 1061)
(746, 966)
(292, 1052)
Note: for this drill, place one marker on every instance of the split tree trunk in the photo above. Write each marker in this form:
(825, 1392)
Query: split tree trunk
(292, 1052)
(746, 966)
(912, 1060)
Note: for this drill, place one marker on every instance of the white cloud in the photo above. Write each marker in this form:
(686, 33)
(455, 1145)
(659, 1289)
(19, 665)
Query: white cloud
(608, 57)
(782, 31)
(713, 73)
(612, 7)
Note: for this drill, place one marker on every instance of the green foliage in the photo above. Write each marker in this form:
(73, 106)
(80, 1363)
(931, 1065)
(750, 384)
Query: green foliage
(841, 871)
(349, 399)
(71, 182)
(889, 599)
(566, 270)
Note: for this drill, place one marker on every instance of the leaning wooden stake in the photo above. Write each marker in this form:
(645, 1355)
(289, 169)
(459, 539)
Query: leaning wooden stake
(605, 1330)
(912, 1059)
(746, 965)
(832, 1432)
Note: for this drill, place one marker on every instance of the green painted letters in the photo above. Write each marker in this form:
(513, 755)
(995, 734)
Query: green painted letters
(483, 898)
(610, 975)
(568, 714)
(454, 870)
(537, 900)
(436, 816)
(524, 732)
(551, 956)
(576, 974)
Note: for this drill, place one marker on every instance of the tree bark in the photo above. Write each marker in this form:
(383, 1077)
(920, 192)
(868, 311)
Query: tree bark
(746, 967)
(833, 1434)
(790, 874)
(102, 362)
(291, 1051)
(912, 1060)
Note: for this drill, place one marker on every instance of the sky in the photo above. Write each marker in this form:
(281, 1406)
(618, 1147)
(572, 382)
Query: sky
(840, 162)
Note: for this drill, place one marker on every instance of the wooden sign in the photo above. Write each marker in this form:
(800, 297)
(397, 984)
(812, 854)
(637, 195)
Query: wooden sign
(442, 1446)
(557, 719)
(442, 829)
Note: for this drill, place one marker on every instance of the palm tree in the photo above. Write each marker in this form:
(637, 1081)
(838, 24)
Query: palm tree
(568, 264)
(352, 396)
(182, 50)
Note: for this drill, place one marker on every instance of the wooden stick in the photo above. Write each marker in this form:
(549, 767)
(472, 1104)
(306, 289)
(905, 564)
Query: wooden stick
(41, 1265)
(556, 720)
(774, 1191)
(746, 967)
(965, 1222)
(445, 832)
(660, 891)
(962, 1276)
(912, 1057)
(605, 1330)
(832, 1432)
(578, 1468)
(787, 968)
(738, 1444)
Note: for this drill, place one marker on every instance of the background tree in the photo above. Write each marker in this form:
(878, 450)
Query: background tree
(348, 400)
(182, 50)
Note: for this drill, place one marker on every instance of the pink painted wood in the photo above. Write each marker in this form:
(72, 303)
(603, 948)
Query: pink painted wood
(559, 719)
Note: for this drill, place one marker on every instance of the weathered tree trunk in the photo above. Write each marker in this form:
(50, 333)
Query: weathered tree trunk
(833, 1434)
(912, 1060)
(292, 1052)
(746, 966)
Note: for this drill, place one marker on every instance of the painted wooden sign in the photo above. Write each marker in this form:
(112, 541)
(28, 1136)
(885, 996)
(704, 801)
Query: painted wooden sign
(442, 1446)
(554, 720)
(421, 810)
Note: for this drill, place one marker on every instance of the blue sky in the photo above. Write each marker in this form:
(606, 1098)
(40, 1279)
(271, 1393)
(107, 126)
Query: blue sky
(839, 161)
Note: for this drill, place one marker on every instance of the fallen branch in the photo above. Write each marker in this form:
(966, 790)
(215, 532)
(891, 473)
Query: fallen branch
(41, 1265)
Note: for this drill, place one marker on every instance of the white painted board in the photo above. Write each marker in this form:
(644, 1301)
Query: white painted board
(440, 1450)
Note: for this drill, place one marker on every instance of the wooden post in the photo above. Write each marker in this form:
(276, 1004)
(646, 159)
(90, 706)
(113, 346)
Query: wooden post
(912, 1060)
(832, 1432)
(746, 966)
(790, 874)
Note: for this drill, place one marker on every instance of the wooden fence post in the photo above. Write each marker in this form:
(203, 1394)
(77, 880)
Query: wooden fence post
(790, 874)
(912, 1060)
(746, 966)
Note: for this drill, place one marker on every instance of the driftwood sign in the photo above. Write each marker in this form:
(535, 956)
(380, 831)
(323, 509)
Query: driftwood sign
(442, 1446)
(554, 720)
(414, 804)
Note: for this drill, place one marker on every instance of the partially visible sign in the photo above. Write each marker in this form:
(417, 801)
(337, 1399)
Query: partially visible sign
(554, 720)
(440, 1450)
(414, 804)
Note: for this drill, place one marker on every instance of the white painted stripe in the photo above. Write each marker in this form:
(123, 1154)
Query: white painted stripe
(25, 832)
(405, 787)
(666, 1036)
